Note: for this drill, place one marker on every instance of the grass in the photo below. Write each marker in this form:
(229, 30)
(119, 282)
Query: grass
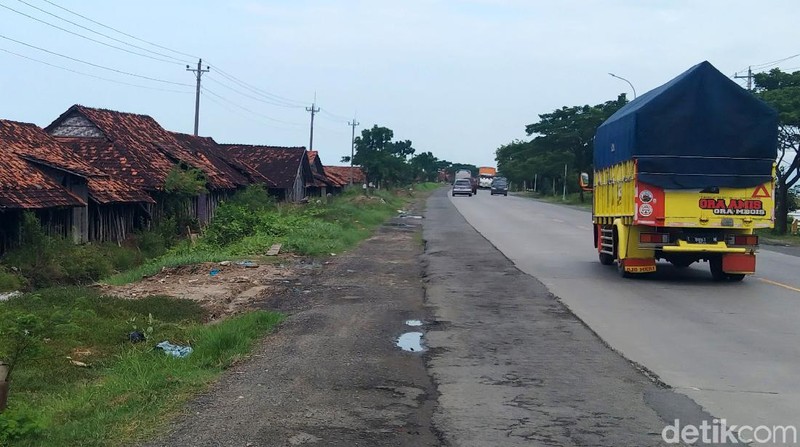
(768, 236)
(571, 199)
(128, 390)
(246, 228)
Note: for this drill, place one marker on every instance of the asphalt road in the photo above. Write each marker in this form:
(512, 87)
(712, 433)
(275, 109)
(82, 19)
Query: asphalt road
(734, 348)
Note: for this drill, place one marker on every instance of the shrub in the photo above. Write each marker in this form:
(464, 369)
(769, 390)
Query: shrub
(10, 282)
(17, 424)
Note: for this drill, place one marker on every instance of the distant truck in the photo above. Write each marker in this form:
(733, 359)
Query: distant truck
(685, 173)
(466, 173)
(485, 176)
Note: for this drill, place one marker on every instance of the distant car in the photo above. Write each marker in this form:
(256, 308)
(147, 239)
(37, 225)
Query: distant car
(462, 186)
(499, 186)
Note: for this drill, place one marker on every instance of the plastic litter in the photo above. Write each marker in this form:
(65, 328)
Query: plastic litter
(136, 337)
(213, 272)
(247, 264)
(174, 350)
(9, 295)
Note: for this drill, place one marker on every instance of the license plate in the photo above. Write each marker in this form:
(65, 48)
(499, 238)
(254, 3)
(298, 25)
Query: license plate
(701, 239)
(641, 269)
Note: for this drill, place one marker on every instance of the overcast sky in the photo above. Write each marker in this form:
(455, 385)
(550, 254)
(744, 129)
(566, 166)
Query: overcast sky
(458, 78)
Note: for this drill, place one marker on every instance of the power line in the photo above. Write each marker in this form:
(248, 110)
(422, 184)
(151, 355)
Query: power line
(247, 95)
(93, 64)
(177, 61)
(767, 64)
(118, 31)
(91, 75)
(287, 102)
(333, 115)
(84, 37)
(206, 90)
(247, 115)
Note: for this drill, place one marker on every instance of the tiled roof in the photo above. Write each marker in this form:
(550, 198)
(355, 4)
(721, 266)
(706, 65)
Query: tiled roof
(208, 150)
(131, 147)
(278, 164)
(21, 184)
(341, 174)
(320, 179)
(33, 144)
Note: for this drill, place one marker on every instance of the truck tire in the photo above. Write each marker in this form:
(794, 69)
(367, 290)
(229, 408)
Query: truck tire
(715, 265)
(621, 270)
(605, 258)
(735, 277)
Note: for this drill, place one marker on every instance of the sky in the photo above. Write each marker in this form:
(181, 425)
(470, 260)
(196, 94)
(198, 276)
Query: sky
(457, 78)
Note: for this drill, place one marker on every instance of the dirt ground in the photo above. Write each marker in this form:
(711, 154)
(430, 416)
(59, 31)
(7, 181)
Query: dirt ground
(331, 374)
(223, 288)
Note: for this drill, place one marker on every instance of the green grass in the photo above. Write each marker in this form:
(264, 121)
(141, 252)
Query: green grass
(768, 236)
(247, 228)
(129, 390)
(572, 198)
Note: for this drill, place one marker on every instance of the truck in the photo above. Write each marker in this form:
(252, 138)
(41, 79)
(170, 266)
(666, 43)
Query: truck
(685, 173)
(485, 176)
(466, 173)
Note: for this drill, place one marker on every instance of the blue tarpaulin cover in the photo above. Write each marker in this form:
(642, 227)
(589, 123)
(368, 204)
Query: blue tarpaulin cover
(698, 130)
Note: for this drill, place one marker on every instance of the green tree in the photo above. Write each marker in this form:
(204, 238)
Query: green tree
(564, 136)
(425, 167)
(385, 162)
(782, 91)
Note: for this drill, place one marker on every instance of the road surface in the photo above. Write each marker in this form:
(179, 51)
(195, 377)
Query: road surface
(734, 348)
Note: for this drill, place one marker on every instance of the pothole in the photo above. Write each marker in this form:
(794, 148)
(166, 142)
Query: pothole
(411, 342)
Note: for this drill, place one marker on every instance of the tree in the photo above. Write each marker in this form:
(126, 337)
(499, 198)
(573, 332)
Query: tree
(425, 167)
(782, 91)
(384, 161)
(564, 136)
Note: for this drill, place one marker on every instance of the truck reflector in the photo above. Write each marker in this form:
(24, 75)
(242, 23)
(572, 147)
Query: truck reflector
(654, 238)
(742, 239)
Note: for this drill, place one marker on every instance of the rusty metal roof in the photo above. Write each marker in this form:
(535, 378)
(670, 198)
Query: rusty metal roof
(134, 148)
(278, 164)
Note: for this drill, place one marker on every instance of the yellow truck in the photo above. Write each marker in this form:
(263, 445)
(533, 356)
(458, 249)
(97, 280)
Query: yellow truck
(685, 173)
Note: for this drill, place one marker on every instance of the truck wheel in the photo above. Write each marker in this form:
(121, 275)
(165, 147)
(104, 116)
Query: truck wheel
(606, 259)
(621, 270)
(735, 277)
(715, 265)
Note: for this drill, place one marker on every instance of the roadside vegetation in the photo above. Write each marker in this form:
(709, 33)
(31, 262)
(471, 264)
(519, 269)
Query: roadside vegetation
(77, 378)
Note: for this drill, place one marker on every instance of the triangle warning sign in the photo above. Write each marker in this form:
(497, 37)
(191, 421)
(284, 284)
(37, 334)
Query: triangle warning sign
(761, 192)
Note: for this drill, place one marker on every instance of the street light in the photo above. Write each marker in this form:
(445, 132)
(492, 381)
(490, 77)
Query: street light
(629, 83)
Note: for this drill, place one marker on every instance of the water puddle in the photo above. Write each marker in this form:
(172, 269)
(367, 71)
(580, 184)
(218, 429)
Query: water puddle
(411, 341)
(413, 323)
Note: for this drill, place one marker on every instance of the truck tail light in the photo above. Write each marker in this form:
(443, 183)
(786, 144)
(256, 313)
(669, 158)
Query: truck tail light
(743, 239)
(654, 238)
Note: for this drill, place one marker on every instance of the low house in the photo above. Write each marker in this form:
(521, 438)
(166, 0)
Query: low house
(225, 174)
(135, 149)
(286, 169)
(322, 185)
(70, 197)
(346, 174)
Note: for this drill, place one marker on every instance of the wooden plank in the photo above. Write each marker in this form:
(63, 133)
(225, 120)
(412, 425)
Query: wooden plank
(274, 250)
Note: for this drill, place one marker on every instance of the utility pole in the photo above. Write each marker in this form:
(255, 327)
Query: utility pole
(749, 78)
(199, 74)
(564, 195)
(352, 124)
(313, 111)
